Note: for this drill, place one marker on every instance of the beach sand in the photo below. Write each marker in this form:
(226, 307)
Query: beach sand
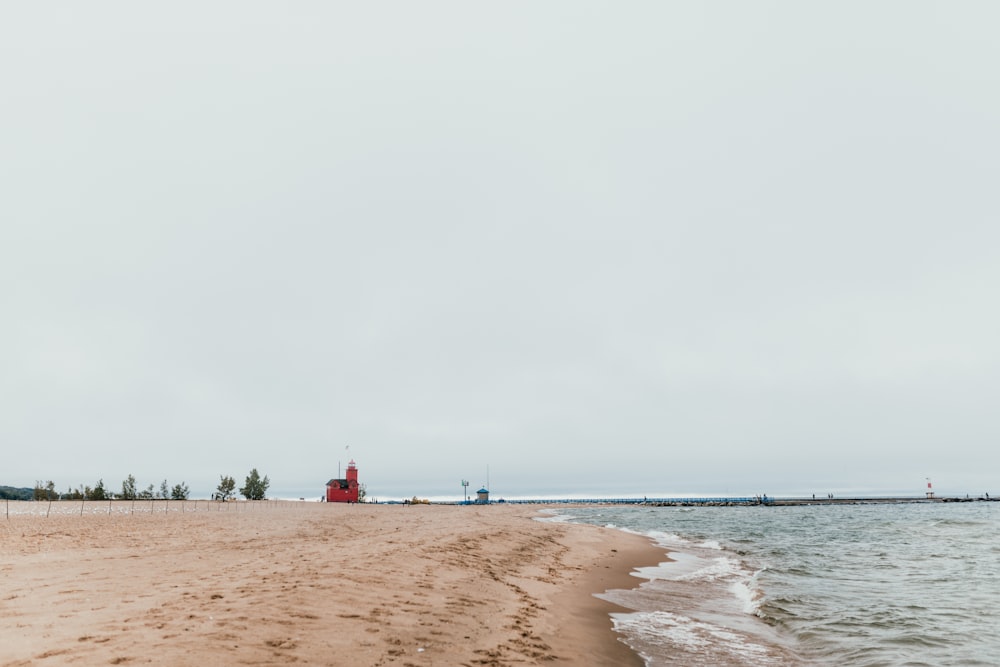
(310, 583)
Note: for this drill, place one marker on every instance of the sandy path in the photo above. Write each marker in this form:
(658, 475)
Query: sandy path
(311, 583)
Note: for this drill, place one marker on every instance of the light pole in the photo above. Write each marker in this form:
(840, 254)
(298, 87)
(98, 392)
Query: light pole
(465, 489)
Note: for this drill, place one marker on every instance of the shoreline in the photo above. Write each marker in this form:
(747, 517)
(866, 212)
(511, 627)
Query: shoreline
(583, 617)
(293, 582)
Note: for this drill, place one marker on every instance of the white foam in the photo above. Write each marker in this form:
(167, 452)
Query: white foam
(681, 564)
(666, 630)
(689, 567)
(717, 568)
(660, 628)
(749, 594)
(669, 541)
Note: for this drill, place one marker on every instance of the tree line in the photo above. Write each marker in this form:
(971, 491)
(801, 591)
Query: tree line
(255, 488)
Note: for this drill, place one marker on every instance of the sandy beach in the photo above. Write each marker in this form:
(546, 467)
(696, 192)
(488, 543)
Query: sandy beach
(310, 583)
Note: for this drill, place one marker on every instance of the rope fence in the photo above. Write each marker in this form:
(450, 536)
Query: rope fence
(42, 508)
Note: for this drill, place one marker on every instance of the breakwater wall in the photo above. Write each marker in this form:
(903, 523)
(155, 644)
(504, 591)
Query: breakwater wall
(739, 501)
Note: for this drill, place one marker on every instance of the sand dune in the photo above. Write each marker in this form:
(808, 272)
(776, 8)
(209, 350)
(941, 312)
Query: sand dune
(308, 583)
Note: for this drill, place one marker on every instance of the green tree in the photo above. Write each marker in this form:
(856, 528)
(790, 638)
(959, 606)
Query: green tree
(128, 488)
(15, 493)
(45, 490)
(256, 488)
(147, 493)
(362, 492)
(180, 491)
(227, 485)
(164, 490)
(98, 492)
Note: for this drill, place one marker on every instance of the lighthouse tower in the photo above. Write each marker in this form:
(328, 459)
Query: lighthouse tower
(344, 490)
(352, 477)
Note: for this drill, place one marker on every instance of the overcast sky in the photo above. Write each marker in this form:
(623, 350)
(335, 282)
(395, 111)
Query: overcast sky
(600, 247)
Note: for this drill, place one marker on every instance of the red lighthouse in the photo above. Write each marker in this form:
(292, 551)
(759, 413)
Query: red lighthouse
(344, 490)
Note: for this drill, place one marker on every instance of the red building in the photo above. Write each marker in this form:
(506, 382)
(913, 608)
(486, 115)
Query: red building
(344, 490)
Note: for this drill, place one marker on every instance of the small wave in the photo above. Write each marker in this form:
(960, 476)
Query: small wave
(919, 640)
(661, 538)
(691, 642)
(748, 592)
(718, 568)
(667, 538)
(960, 523)
(553, 516)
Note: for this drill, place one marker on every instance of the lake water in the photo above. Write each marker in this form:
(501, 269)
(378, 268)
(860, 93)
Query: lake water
(880, 584)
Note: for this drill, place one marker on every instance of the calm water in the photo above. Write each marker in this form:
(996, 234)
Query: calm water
(908, 584)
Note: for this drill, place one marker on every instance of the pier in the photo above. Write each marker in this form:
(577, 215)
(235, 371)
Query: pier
(748, 501)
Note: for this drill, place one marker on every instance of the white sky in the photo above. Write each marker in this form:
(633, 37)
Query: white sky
(601, 247)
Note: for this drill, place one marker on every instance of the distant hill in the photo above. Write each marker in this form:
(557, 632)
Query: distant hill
(13, 493)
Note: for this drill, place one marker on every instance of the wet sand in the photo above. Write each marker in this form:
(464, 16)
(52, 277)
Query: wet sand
(310, 583)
